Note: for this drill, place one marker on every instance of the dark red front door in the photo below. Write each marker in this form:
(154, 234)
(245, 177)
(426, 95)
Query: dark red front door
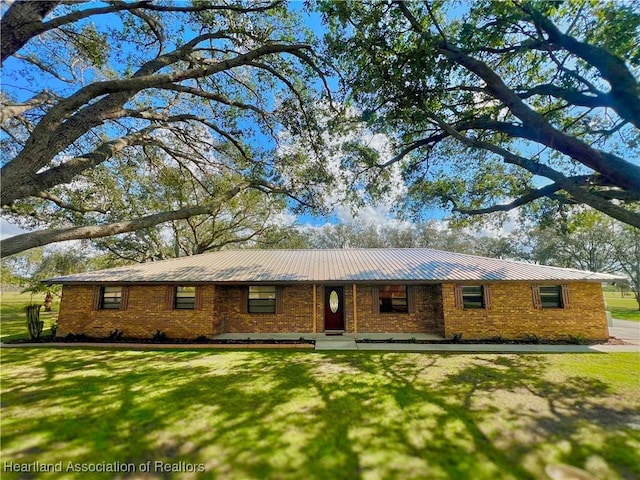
(333, 308)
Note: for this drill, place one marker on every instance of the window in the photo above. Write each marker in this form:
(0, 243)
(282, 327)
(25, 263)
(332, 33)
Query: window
(472, 296)
(262, 299)
(110, 298)
(185, 298)
(393, 299)
(551, 296)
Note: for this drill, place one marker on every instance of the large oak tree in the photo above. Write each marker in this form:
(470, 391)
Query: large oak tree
(498, 105)
(95, 91)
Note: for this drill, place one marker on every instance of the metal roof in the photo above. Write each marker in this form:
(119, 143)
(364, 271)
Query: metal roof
(357, 265)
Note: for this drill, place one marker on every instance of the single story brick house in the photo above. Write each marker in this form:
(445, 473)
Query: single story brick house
(335, 291)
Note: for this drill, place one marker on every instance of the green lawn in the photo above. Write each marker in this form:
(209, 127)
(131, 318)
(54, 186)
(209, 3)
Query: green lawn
(306, 415)
(624, 308)
(13, 319)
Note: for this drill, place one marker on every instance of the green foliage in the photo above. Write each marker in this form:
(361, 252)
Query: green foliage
(577, 339)
(616, 26)
(532, 338)
(159, 336)
(246, 76)
(360, 234)
(248, 219)
(587, 240)
(116, 335)
(12, 315)
(92, 45)
(34, 324)
(9, 277)
(473, 95)
(43, 266)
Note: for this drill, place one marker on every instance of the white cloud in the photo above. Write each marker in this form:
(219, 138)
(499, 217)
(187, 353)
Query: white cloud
(9, 230)
(511, 222)
(336, 200)
(283, 219)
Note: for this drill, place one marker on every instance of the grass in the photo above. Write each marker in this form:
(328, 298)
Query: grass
(623, 308)
(291, 414)
(13, 319)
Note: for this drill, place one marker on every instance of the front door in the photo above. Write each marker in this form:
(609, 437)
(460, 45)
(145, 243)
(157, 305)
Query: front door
(333, 308)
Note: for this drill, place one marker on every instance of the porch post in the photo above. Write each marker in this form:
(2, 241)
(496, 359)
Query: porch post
(355, 309)
(315, 309)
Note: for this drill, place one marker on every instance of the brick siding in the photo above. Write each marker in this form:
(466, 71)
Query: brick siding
(512, 315)
(426, 315)
(146, 313)
(296, 316)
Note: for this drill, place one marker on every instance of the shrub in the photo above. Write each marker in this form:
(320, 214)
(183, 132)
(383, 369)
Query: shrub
(159, 336)
(532, 338)
(577, 339)
(77, 337)
(34, 324)
(116, 334)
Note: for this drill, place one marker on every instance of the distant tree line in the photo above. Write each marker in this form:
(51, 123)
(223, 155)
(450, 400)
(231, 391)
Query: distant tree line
(586, 240)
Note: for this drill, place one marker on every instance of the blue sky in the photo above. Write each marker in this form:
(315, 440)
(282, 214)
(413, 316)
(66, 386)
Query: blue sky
(22, 89)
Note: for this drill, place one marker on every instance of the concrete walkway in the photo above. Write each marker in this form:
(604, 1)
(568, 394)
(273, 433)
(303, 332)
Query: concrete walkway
(322, 336)
(626, 330)
(347, 344)
(623, 330)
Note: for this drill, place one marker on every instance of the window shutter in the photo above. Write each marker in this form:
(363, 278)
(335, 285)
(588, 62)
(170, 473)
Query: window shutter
(537, 301)
(375, 299)
(169, 297)
(565, 296)
(279, 300)
(97, 297)
(124, 297)
(411, 299)
(244, 299)
(457, 292)
(486, 293)
(199, 299)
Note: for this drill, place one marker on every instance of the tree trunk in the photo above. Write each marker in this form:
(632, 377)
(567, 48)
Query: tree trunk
(20, 243)
(21, 22)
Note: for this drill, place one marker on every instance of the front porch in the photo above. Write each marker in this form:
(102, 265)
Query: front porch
(346, 341)
(378, 337)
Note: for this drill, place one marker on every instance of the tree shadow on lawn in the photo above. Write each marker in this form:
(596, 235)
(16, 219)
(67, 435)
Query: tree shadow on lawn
(282, 414)
(514, 417)
(573, 412)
